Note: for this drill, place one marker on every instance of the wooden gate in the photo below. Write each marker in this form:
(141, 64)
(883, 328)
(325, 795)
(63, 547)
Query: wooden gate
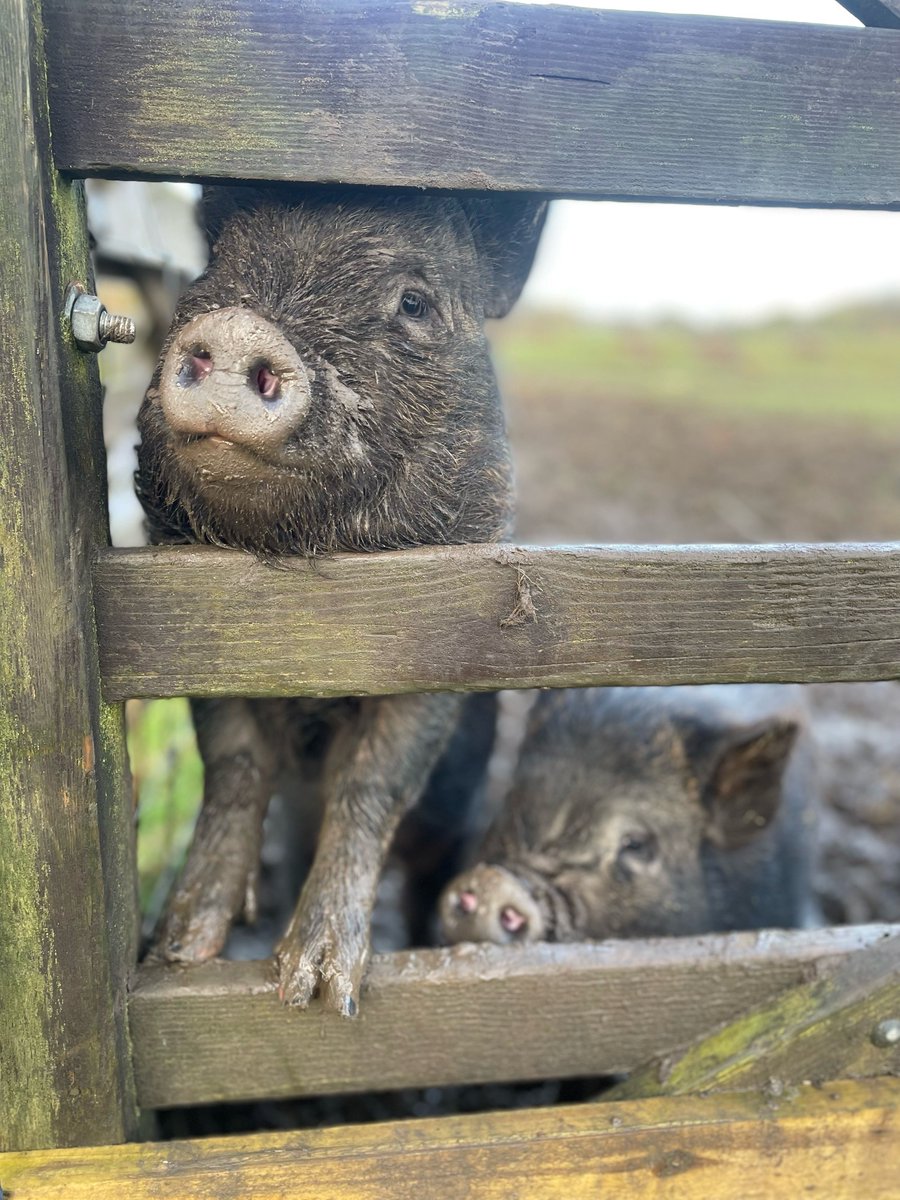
(435, 94)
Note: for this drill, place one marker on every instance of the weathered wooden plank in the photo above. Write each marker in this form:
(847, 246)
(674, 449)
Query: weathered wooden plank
(877, 14)
(841, 1142)
(470, 1014)
(472, 95)
(67, 937)
(821, 1028)
(210, 622)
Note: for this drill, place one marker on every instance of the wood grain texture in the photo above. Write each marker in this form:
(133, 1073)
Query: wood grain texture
(434, 93)
(815, 1031)
(67, 934)
(877, 14)
(469, 1014)
(840, 1142)
(212, 622)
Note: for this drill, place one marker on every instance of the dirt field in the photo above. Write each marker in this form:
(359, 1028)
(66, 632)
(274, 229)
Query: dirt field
(652, 436)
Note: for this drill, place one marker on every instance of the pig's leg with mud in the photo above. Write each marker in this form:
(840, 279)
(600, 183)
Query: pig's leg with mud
(220, 876)
(376, 769)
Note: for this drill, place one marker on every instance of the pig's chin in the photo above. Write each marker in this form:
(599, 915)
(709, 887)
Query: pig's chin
(215, 461)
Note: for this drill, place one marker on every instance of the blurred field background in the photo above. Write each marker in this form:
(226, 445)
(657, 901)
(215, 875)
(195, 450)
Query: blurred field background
(782, 430)
(642, 430)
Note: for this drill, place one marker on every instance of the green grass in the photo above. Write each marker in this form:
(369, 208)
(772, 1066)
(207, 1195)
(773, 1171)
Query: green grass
(844, 365)
(168, 776)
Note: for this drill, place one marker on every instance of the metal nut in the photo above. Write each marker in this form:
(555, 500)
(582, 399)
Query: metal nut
(886, 1034)
(92, 326)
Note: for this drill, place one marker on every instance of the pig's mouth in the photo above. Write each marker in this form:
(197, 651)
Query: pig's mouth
(210, 439)
(218, 459)
(553, 903)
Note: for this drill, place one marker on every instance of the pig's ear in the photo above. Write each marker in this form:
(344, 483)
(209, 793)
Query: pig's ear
(743, 785)
(506, 228)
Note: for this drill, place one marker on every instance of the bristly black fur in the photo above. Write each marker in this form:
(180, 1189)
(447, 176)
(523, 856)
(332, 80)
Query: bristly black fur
(420, 454)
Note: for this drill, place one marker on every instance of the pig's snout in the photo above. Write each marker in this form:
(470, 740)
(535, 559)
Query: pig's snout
(489, 904)
(233, 377)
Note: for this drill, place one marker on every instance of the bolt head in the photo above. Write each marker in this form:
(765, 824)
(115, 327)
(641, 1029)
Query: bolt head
(886, 1034)
(86, 312)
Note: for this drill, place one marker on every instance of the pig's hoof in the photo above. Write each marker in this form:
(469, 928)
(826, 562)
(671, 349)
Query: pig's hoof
(323, 966)
(199, 915)
(191, 934)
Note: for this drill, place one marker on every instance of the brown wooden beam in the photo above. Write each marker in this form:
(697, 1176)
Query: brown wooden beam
(841, 1142)
(68, 921)
(470, 1014)
(200, 621)
(464, 95)
(840, 1023)
(877, 14)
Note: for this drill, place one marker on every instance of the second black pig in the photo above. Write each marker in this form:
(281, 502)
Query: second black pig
(326, 385)
(647, 811)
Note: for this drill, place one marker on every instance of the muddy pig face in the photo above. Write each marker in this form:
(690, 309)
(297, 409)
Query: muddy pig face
(618, 802)
(326, 383)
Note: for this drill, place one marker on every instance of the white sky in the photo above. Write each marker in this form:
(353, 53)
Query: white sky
(708, 263)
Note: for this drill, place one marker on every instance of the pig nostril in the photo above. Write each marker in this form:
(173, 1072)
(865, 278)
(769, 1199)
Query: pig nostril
(468, 902)
(512, 920)
(266, 382)
(195, 367)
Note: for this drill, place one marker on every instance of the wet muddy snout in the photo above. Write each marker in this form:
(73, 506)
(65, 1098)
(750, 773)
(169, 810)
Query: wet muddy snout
(231, 374)
(489, 904)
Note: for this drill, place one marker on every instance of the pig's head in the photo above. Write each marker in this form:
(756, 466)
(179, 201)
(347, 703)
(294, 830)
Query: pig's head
(618, 806)
(326, 383)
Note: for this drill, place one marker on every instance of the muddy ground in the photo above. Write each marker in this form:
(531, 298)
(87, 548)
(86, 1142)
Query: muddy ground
(599, 467)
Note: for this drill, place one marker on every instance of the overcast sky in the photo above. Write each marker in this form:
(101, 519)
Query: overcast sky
(710, 263)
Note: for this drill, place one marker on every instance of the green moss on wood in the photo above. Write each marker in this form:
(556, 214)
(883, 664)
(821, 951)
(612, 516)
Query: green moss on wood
(63, 1061)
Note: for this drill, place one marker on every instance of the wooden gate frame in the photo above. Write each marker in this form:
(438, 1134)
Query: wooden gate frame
(435, 94)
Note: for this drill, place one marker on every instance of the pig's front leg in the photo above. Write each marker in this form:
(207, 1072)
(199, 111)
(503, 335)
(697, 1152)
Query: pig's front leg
(376, 768)
(220, 876)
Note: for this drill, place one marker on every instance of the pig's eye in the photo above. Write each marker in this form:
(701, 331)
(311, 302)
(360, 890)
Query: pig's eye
(414, 305)
(638, 848)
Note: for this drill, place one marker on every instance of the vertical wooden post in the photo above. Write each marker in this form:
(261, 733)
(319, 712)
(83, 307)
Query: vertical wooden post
(67, 906)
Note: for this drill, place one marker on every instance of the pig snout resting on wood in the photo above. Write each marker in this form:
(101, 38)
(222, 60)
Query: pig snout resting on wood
(644, 811)
(326, 385)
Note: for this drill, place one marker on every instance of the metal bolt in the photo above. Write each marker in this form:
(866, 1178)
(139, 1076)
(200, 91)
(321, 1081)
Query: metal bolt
(92, 326)
(886, 1034)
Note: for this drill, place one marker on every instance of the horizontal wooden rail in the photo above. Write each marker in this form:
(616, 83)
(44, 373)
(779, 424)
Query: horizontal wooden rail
(880, 14)
(435, 93)
(200, 621)
(825, 1028)
(841, 1141)
(467, 1015)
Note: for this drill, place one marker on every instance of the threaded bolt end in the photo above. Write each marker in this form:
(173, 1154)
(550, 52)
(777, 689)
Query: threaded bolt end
(114, 328)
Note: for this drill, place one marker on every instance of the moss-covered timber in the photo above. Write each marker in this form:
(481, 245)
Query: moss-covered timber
(817, 1030)
(193, 620)
(66, 934)
(840, 1142)
(437, 93)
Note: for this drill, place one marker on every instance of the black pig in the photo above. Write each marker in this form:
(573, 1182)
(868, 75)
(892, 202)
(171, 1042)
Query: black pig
(326, 385)
(647, 811)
